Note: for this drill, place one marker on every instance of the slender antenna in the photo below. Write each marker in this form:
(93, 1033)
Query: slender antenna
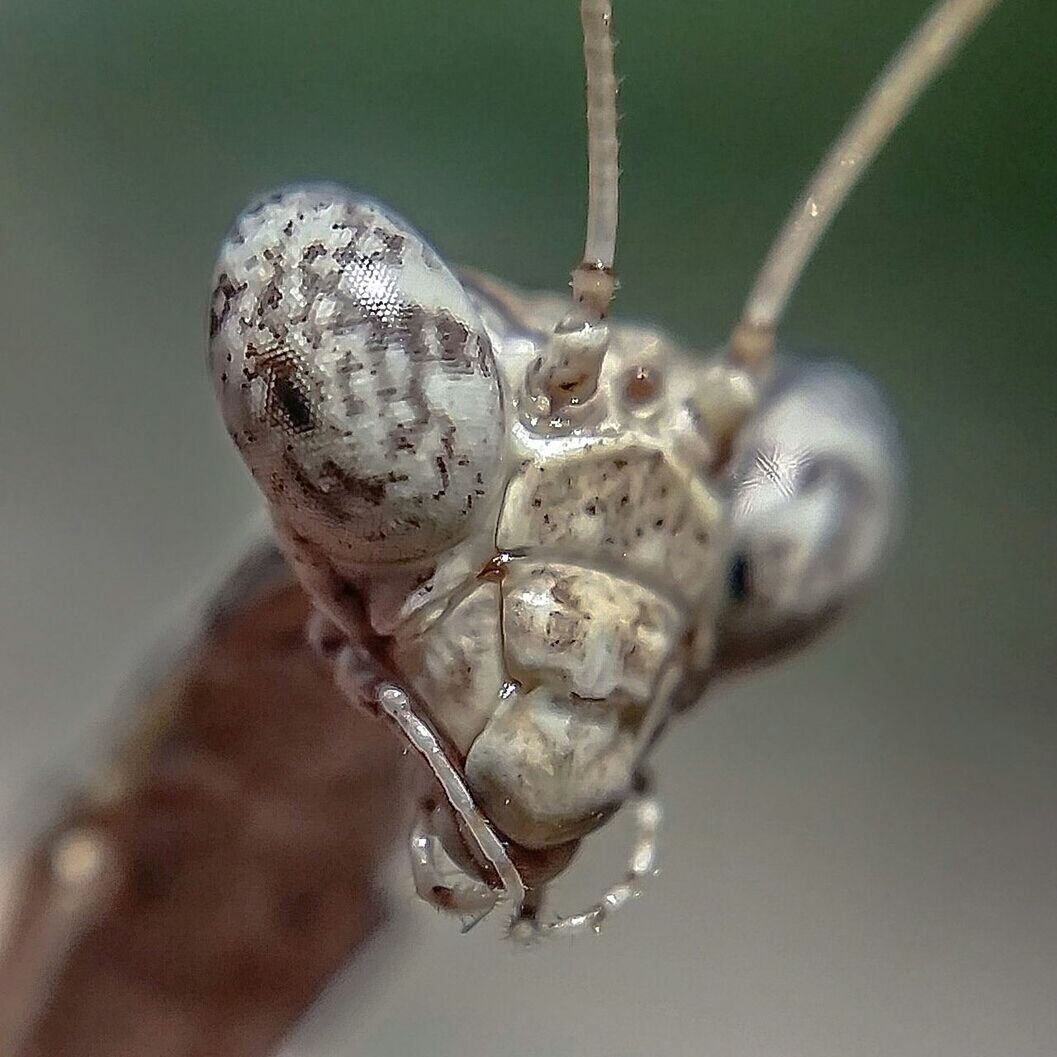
(593, 279)
(929, 48)
(566, 372)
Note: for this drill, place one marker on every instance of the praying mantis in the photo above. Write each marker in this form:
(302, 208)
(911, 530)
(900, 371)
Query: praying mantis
(736, 573)
(531, 535)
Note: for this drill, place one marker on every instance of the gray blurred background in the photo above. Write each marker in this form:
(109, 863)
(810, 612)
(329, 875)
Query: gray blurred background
(860, 855)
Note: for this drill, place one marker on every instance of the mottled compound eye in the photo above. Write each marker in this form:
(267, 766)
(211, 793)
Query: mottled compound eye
(815, 495)
(355, 376)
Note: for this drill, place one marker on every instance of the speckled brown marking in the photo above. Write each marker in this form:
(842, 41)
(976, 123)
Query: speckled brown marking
(453, 336)
(447, 438)
(227, 291)
(484, 354)
(369, 489)
(271, 297)
(630, 506)
(394, 246)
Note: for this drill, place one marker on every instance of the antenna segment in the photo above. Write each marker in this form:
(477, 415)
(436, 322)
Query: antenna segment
(928, 49)
(593, 279)
(566, 372)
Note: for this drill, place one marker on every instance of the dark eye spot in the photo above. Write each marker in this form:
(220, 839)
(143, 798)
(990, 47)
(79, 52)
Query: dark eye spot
(289, 400)
(294, 403)
(738, 578)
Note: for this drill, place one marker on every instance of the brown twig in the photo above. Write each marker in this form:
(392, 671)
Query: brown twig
(199, 906)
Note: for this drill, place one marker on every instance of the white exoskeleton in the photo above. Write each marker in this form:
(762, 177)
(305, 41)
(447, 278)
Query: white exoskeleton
(533, 534)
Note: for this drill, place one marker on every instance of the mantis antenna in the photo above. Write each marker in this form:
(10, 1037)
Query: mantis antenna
(593, 279)
(928, 49)
(566, 374)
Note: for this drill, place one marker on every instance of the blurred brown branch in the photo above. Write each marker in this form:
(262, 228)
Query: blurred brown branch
(197, 903)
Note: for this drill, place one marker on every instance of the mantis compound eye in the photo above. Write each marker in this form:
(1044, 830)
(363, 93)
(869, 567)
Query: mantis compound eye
(355, 377)
(816, 497)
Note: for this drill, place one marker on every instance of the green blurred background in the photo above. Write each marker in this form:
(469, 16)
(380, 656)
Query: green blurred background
(860, 857)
